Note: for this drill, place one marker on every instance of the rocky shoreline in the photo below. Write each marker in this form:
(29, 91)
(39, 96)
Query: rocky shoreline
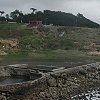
(93, 94)
(62, 84)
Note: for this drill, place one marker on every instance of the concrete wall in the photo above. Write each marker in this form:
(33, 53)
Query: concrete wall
(58, 85)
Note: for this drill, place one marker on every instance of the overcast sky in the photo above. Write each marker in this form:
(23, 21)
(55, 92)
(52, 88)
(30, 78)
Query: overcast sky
(89, 8)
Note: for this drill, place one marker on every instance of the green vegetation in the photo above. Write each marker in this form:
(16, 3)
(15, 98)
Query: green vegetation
(48, 55)
(73, 57)
(45, 41)
(48, 17)
(52, 43)
(13, 30)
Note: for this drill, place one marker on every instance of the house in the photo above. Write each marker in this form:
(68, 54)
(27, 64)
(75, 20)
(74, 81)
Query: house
(35, 24)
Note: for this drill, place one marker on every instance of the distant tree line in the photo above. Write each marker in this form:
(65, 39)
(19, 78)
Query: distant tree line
(49, 17)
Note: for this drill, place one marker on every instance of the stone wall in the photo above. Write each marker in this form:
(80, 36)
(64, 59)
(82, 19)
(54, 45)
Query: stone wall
(58, 85)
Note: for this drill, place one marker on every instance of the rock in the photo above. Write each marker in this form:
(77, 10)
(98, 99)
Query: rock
(42, 94)
(2, 97)
(4, 72)
(51, 81)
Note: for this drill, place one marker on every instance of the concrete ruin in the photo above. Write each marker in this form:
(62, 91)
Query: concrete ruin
(60, 84)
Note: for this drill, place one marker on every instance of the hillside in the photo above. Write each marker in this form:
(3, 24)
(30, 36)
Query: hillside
(48, 17)
(75, 36)
(68, 19)
(19, 42)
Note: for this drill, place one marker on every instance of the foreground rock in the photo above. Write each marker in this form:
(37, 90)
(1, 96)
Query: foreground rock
(4, 71)
(58, 85)
(90, 95)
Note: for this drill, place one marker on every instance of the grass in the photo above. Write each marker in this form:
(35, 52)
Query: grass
(59, 58)
(83, 36)
(54, 55)
(14, 30)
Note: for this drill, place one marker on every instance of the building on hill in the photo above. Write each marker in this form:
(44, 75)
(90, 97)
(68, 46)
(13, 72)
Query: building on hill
(35, 24)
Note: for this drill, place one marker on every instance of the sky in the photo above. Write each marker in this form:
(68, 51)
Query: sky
(89, 8)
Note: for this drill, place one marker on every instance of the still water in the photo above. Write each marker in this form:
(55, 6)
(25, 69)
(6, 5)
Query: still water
(13, 80)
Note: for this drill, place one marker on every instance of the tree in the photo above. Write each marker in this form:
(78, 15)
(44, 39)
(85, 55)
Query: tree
(16, 15)
(2, 12)
(53, 17)
(39, 16)
(33, 10)
(80, 15)
(7, 16)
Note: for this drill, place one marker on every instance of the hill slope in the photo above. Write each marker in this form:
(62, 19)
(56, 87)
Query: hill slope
(57, 18)
(18, 42)
(68, 19)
